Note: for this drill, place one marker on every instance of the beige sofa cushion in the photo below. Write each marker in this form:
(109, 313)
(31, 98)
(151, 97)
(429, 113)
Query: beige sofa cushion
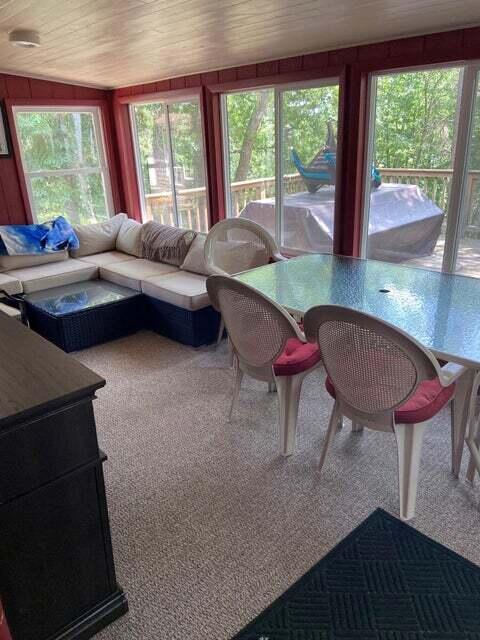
(109, 257)
(10, 285)
(237, 256)
(97, 238)
(129, 239)
(195, 258)
(183, 289)
(55, 274)
(132, 272)
(11, 312)
(19, 262)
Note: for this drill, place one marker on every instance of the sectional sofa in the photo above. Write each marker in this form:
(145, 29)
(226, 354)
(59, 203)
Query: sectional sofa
(174, 300)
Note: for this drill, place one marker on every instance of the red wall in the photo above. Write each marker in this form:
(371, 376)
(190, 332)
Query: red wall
(352, 65)
(13, 209)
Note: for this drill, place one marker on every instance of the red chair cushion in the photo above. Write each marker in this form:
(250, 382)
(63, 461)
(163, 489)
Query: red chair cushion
(297, 356)
(425, 403)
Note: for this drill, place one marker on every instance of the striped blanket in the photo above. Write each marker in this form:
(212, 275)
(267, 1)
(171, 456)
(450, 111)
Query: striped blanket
(161, 243)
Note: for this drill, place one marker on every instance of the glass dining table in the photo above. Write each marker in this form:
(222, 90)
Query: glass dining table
(440, 310)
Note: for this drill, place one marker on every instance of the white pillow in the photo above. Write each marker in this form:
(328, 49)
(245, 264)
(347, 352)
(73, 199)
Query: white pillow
(195, 258)
(97, 238)
(236, 256)
(19, 262)
(129, 238)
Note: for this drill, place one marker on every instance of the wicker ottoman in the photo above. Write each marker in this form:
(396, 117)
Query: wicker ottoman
(80, 315)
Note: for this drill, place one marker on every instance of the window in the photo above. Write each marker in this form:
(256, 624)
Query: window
(280, 161)
(169, 153)
(424, 149)
(64, 164)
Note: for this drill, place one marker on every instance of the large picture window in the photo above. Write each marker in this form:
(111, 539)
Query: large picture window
(169, 153)
(424, 207)
(280, 149)
(63, 158)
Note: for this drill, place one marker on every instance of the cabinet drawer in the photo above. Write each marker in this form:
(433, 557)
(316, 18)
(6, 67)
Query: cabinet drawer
(42, 449)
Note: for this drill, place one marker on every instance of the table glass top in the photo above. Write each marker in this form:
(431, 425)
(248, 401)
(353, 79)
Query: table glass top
(71, 298)
(440, 310)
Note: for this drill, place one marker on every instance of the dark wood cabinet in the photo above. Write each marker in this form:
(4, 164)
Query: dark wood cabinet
(57, 575)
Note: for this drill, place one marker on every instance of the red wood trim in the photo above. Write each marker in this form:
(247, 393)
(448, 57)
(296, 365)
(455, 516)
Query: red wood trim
(55, 102)
(126, 154)
(18, 160)
(206, 116)
(160, 95)
(284, 78)
(219, 213)
(342, 164)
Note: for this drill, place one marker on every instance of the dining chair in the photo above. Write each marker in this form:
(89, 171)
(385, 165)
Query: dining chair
(236, 244)
(383, 379)
(267, 345)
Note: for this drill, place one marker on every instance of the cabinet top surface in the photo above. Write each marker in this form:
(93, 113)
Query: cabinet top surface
(36, 376)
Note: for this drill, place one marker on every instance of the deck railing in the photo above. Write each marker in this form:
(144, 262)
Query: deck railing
(193, 211)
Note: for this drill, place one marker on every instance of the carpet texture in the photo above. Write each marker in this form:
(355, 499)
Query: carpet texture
(209, 524)
(384, 580)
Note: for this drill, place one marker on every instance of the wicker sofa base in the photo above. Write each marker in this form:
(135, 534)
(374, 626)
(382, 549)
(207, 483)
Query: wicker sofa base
(193, 328)
(87, 328)
(83, 329)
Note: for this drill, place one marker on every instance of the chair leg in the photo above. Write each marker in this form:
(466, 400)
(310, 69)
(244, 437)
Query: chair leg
(461, 415)
(272, 387)
(237, 383)
(332, 429)
(288, 389)
(356, 427)
(221, 329)
(473, 441)
(409, 447)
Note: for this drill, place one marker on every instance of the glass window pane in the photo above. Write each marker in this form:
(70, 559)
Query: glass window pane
(415, 123)
(468, 257)
(79, 198)
(250, 155)
(309, 141)
(53, 140)
(188, 165)
(154, 162)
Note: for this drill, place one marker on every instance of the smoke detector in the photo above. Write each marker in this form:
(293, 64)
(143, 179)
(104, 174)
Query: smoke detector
(24, 38)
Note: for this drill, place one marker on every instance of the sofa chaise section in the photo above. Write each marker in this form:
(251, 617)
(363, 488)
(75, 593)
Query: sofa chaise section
(178, 307)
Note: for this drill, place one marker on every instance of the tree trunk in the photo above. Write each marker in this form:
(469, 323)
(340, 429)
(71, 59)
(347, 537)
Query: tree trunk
(250, 134)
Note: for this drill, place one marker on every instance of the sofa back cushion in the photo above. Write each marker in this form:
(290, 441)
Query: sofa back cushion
(161, 243)
(129, 239)
(97, 238)
(195, 258)
(19, 262)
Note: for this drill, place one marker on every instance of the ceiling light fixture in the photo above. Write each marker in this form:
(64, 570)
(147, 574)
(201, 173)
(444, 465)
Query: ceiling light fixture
(24, 38)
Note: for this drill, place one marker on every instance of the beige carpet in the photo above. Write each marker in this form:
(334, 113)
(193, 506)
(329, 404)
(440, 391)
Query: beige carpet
(209, 524)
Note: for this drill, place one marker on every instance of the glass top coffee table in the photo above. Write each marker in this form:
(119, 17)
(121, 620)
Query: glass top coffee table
(80, 315)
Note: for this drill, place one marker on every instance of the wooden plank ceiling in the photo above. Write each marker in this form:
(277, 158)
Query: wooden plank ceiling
(113, 43)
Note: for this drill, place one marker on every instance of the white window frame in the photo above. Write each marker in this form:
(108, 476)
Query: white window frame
(464, 120)
(167, 102)
(102, 168)
(278, 90)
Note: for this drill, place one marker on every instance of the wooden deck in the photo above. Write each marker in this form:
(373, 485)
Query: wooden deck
(468, 258)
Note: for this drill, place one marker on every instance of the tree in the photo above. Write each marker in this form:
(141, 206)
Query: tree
(251, 130)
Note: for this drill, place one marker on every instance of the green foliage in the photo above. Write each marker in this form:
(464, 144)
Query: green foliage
(57, 141)
(415, 119)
